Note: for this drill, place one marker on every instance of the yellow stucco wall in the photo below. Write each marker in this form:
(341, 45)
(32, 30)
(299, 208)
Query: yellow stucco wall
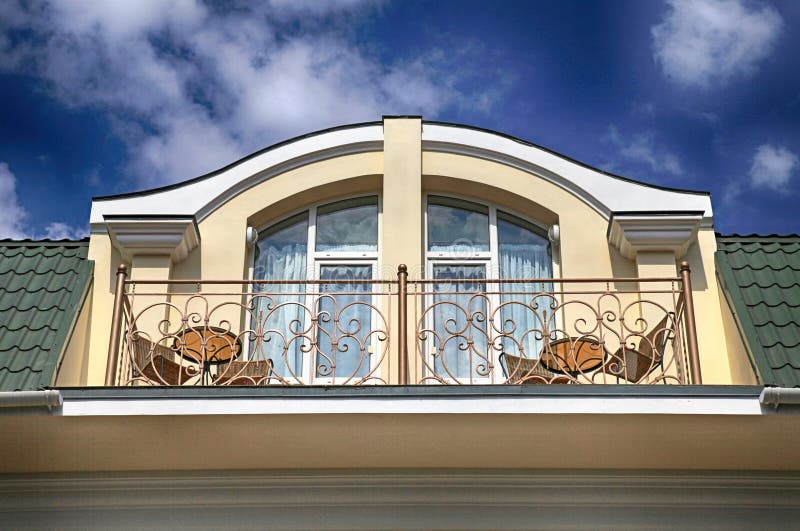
(742, 370)
(402, 173)
(106, 259)
(711, 341)
(74, 363)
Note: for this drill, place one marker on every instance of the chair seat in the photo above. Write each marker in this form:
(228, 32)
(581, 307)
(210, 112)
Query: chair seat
(254, 372)
(630, 364)
(155, 362)
(530, 371)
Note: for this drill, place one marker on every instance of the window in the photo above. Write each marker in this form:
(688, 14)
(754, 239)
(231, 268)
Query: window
(335, 242)
(467, 243)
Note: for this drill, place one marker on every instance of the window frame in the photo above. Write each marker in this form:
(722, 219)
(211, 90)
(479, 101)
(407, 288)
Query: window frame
(488, 258)
(314, 259)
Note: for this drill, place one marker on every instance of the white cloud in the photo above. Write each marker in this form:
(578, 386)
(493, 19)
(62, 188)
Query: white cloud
(12, 215)
(642, 148)
(701, 42)
(773, 167)
(191, 87)
(62, 231)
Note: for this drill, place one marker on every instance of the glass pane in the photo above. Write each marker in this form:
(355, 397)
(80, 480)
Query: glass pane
(350, 225)
(345, 321)
(460, 322)
(281, 255)
(455, 225)
(524, 253)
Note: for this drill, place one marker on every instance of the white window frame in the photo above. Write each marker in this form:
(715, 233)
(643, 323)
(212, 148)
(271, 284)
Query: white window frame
(372, 347)
(316, 258)
(489, 258)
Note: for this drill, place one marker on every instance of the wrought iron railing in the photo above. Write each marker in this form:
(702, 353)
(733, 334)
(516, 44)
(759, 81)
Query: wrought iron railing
(360, 332)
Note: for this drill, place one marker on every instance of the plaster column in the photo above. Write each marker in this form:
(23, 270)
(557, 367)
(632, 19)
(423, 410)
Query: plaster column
(655, 264)
(151, 245)
(151, 321)
(655, 241)
(401, 229)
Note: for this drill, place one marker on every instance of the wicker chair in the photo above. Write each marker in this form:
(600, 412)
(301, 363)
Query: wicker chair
(157, 363)
(519, 370)
(252, 372)
(634, 363)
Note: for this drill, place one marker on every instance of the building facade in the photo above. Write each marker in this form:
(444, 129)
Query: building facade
(402, 324)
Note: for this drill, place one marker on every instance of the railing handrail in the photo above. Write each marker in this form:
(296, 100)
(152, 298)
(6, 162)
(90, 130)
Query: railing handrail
(563, 280)
(269, 282)
(314, 281)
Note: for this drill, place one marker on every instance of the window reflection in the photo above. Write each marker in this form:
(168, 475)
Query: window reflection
(350, 225)
(455, 225)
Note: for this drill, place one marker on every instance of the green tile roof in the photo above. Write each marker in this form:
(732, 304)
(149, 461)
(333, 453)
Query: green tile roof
(42, 286)
(761, 279)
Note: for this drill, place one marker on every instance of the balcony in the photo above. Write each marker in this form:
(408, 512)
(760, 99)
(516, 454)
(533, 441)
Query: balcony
(346, 331)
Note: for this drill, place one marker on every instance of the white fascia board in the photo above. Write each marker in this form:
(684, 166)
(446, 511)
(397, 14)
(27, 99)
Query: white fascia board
(566, 405)
(201, 197)
(604, 193)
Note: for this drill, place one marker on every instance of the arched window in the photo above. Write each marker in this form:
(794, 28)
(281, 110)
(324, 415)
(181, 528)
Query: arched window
(466, 243)
(336, 241)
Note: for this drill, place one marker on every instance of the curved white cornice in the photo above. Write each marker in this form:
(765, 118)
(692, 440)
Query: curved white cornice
(199, 197)
(603, 192)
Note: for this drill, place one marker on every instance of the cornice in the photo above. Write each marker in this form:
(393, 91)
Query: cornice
(410, 499)
(635, 232)
(175, 236)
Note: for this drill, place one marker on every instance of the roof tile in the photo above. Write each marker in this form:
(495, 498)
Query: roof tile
(761, 276)
(41, 284)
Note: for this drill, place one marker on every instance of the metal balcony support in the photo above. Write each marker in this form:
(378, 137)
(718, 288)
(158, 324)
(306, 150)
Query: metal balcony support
(116, 326)
(402, 324)
(689, 323)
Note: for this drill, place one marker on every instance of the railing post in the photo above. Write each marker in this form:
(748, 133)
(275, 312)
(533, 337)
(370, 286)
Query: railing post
(116, 325)
(402, 324)
(690, 324)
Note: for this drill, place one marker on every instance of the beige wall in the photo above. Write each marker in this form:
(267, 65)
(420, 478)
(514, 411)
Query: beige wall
(75, 361)
(742, 370)
(549, 442)
(402, 174)
(106, 259)
(712, 345)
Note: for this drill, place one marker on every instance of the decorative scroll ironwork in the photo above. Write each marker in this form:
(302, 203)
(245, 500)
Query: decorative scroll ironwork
(280, 336)
(556, 331)
(337, 332)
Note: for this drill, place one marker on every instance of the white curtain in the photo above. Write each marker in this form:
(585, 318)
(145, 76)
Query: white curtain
(461, 347)
(282, 318)
(349, 304)
(525, 316)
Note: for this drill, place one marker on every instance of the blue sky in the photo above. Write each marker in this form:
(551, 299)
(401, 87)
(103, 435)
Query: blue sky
(104, 97)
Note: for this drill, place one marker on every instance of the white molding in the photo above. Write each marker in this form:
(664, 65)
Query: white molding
(160, 236)
(604, 193)
(515, 405)
(404, 499)
(635, 233)
(199, 198)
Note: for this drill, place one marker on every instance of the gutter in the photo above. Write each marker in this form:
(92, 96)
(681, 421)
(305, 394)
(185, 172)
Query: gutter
(48, 398)
(777, 396)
